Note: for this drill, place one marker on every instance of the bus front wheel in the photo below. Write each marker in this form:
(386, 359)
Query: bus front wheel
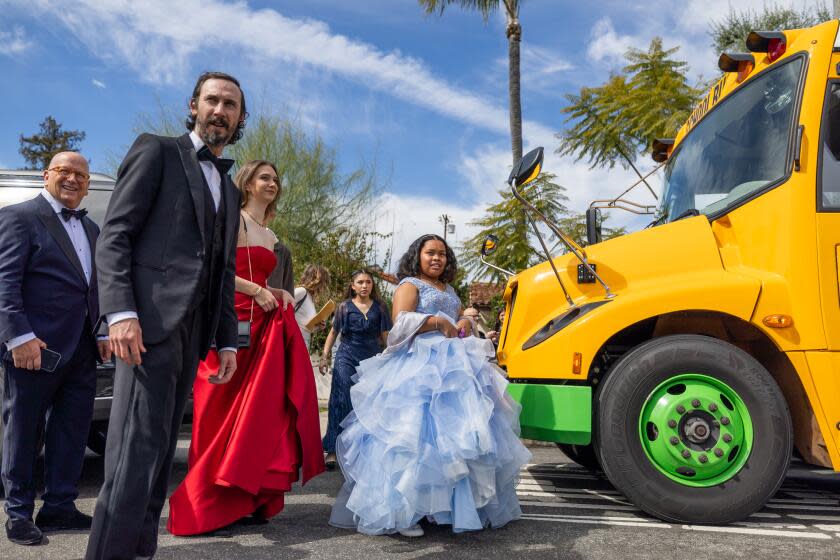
(693, 430)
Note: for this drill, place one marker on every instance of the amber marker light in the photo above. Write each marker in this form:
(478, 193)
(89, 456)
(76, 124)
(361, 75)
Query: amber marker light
(577, 359)
(778, 321)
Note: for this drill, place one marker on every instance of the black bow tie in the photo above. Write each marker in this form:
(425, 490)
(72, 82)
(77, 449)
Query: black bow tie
(222, 164)
(66, 213)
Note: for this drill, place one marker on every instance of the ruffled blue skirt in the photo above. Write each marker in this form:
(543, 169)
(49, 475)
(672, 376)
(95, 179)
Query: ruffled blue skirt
(433, 433)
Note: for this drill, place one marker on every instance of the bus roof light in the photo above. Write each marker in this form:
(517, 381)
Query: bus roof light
(776, 49)
(661, 149)
(743, 63)
(774, 43)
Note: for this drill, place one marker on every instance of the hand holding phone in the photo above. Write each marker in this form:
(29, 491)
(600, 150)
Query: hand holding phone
(28, 354)
(49, 360)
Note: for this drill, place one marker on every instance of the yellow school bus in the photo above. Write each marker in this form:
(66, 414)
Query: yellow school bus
(691, 357)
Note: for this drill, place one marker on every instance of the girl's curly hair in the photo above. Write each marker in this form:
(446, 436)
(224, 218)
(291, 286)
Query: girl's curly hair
(410, 261)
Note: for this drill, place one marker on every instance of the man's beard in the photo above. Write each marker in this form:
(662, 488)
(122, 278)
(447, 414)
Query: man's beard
(214, 138)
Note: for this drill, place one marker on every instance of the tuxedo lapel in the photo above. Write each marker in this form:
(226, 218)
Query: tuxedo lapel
(231, 195)
(195, 178)
(51, 221)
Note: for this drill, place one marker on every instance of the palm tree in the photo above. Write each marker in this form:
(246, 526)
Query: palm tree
(513, 31)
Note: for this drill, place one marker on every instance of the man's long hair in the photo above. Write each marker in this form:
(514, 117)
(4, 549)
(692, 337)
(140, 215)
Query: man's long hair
(240, 128)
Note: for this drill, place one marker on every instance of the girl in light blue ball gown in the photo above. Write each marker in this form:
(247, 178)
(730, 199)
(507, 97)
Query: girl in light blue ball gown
(433, 432)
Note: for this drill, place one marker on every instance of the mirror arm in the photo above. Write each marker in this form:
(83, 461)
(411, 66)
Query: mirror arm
(626, 205)
(641, 179)
(494, 267)
(550, 261)
(578, 251)
(630, 188)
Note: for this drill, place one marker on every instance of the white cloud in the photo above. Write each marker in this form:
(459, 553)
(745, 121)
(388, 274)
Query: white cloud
(408, 217)
(14, 42)
(98, 83)
(154, 40)
(542, 61)
(606, 45)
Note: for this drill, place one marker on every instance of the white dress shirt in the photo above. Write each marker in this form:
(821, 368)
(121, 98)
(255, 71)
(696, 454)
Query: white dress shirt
(214, 181)
(78, 237)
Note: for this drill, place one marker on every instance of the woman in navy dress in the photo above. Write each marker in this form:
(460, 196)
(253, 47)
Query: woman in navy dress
(363, 321)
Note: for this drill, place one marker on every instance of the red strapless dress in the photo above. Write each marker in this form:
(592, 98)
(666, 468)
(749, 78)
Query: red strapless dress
(253, 435)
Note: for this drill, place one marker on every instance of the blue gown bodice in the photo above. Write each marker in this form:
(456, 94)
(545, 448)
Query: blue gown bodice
(431, 300)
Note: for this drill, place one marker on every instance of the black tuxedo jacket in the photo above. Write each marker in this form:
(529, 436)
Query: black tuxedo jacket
(151, 249)
(43, 288)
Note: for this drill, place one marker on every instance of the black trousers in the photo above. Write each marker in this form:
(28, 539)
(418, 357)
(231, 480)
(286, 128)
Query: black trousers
(64, 398)
(145, 419)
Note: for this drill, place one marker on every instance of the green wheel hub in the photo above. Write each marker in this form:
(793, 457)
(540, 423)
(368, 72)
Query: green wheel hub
(696, 430)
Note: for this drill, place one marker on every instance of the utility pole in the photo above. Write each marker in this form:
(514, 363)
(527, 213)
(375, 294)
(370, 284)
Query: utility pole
(445, 219)
(837, 8)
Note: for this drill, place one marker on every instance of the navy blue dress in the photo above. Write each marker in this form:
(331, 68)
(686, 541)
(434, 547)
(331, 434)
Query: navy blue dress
(360, 340)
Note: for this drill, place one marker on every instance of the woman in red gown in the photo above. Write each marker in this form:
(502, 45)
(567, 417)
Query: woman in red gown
(252, 436)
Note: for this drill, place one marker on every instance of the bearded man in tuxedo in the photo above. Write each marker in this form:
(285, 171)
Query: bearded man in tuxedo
(166, 264)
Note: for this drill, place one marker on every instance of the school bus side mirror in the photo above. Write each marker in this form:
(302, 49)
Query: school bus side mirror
(593, 226)
(489, 245)
(527, 169)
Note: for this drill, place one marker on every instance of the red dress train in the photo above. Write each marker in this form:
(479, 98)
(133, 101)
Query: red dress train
(253, 435)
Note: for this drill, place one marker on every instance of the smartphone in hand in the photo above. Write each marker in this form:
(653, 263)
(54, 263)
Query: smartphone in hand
(49, 360)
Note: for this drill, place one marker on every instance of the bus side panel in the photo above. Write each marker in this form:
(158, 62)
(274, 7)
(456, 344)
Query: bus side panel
(820, 374)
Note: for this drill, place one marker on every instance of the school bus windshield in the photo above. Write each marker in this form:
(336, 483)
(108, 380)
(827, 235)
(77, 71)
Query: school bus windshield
(738, 149)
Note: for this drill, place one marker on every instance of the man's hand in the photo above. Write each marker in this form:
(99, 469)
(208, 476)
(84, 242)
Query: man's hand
(126, 340)
(227, 365)
(28, 354)
(104, 347)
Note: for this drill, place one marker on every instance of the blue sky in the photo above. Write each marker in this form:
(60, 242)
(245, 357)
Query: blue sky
(423, 96)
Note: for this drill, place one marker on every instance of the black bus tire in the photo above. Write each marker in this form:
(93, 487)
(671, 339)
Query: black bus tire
(625, 462)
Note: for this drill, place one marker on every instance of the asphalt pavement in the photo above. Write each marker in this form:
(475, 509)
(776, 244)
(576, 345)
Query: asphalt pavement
(568, 512)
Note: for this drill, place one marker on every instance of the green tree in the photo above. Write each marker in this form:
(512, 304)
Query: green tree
(40, 148)
(614, 122)
(729, 33)
(508, 220)
(317, 198)
(513, 32)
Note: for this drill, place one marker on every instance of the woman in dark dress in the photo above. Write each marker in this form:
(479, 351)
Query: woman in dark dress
(363, 321)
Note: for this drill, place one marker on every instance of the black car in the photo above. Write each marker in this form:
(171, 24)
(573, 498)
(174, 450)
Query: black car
(17, 186)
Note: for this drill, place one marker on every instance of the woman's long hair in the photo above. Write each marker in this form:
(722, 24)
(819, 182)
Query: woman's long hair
(245, 176)
(350, 293)
(314, 279)
(410, 261)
